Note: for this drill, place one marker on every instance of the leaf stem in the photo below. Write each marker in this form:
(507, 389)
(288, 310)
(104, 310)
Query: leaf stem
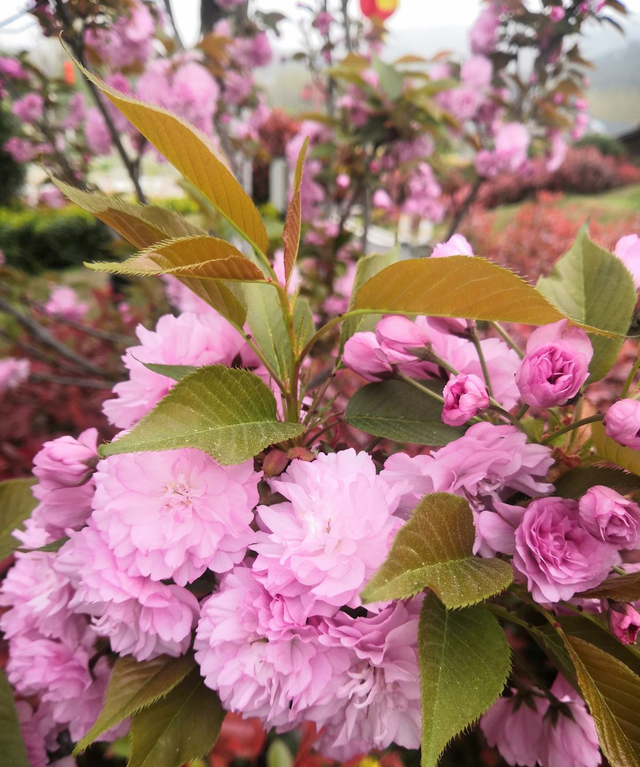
(630, 377)
(507, 338)
(402, 377)
(483, 363)
(571, 427)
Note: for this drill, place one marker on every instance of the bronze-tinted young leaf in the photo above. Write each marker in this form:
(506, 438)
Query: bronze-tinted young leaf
(227, 412)
(142, 225)
(459, 286)
(622, 588)
(366, 268)
(12, 749)
(200, 257)
(179, 727)
(394, 410)
(575, 482)
(625, 457)
(612, 691)
(147, 225)
(464, 663)
(434, 550)
(134, 685)
(16, 504)
(592, 286)
(192, 154)
(293, 220)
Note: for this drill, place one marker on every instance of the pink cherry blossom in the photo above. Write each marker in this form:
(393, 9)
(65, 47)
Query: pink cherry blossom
(13, 372)
(464, 397)
(610, 517)
(29, 108)
(555, 554)
(487, 464)
(97, 133)
(484, 33)
(176, 513)
(63, 300)
(627, 249)
(263, 659)
(363, 355)
(457, 245)
(331, 533)
(555, 366)
(140, 617)
(514, 726)
(190, 339)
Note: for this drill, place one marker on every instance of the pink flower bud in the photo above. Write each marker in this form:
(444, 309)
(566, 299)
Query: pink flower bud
(363, 355)
(382, 200)
(343, 181)
(557, 13)
(610, 517)
(555, 366)
(624, 622)
(622, 423)
(464, 397)
(399, 337)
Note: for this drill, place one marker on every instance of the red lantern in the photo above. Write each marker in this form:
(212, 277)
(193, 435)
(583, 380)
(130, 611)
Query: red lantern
(380, 9)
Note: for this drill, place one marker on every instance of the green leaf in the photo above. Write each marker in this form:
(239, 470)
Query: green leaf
(459, 286)
(394, 410)
(434, 550)
(227, 412)
(12, 749)
(267, 324)
(391, 79)
(576, 482)
(625, 457)
(366, 268)
(293, 220)
(170, 371)
(612, 691)
(200, 257)
(142, 225)
(192, 154)
(592, 286)
(464, 663)
(132, 687)
(16, 504)
(179, 727)
(622, 588)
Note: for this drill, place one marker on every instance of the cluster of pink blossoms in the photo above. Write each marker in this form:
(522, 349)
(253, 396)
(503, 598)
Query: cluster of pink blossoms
(284, 636)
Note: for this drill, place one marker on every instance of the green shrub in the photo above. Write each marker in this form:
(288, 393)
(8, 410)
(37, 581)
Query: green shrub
(41, 239)
(11, 173)
(608, 145)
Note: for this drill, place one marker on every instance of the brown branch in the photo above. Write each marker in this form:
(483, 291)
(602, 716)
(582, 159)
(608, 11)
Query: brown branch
(78, 50)
(464, 208)
(83, 383)
(42, 335)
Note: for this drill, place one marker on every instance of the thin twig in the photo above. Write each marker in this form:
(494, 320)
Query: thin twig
(83, 383)
(42, 334)
(464, 208)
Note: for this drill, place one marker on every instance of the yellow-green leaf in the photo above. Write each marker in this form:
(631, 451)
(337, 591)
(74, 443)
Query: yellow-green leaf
(146, 225)
(179, 727)
(625, 457)
(227, 412)
(594, 287)
(464, 663)
(293, 220)
(434, 550)
(612, 692)
(134, 685)
(192, 154)
(12, 749)
(200, 257)
(459, 286)
(141, 225)
(16, 504)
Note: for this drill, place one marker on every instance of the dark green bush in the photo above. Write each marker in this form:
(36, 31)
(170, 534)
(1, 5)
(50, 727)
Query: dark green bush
(11, 173)
(608, 145)
(41, 239)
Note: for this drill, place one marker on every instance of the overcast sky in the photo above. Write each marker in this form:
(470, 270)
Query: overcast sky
(412, 14)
